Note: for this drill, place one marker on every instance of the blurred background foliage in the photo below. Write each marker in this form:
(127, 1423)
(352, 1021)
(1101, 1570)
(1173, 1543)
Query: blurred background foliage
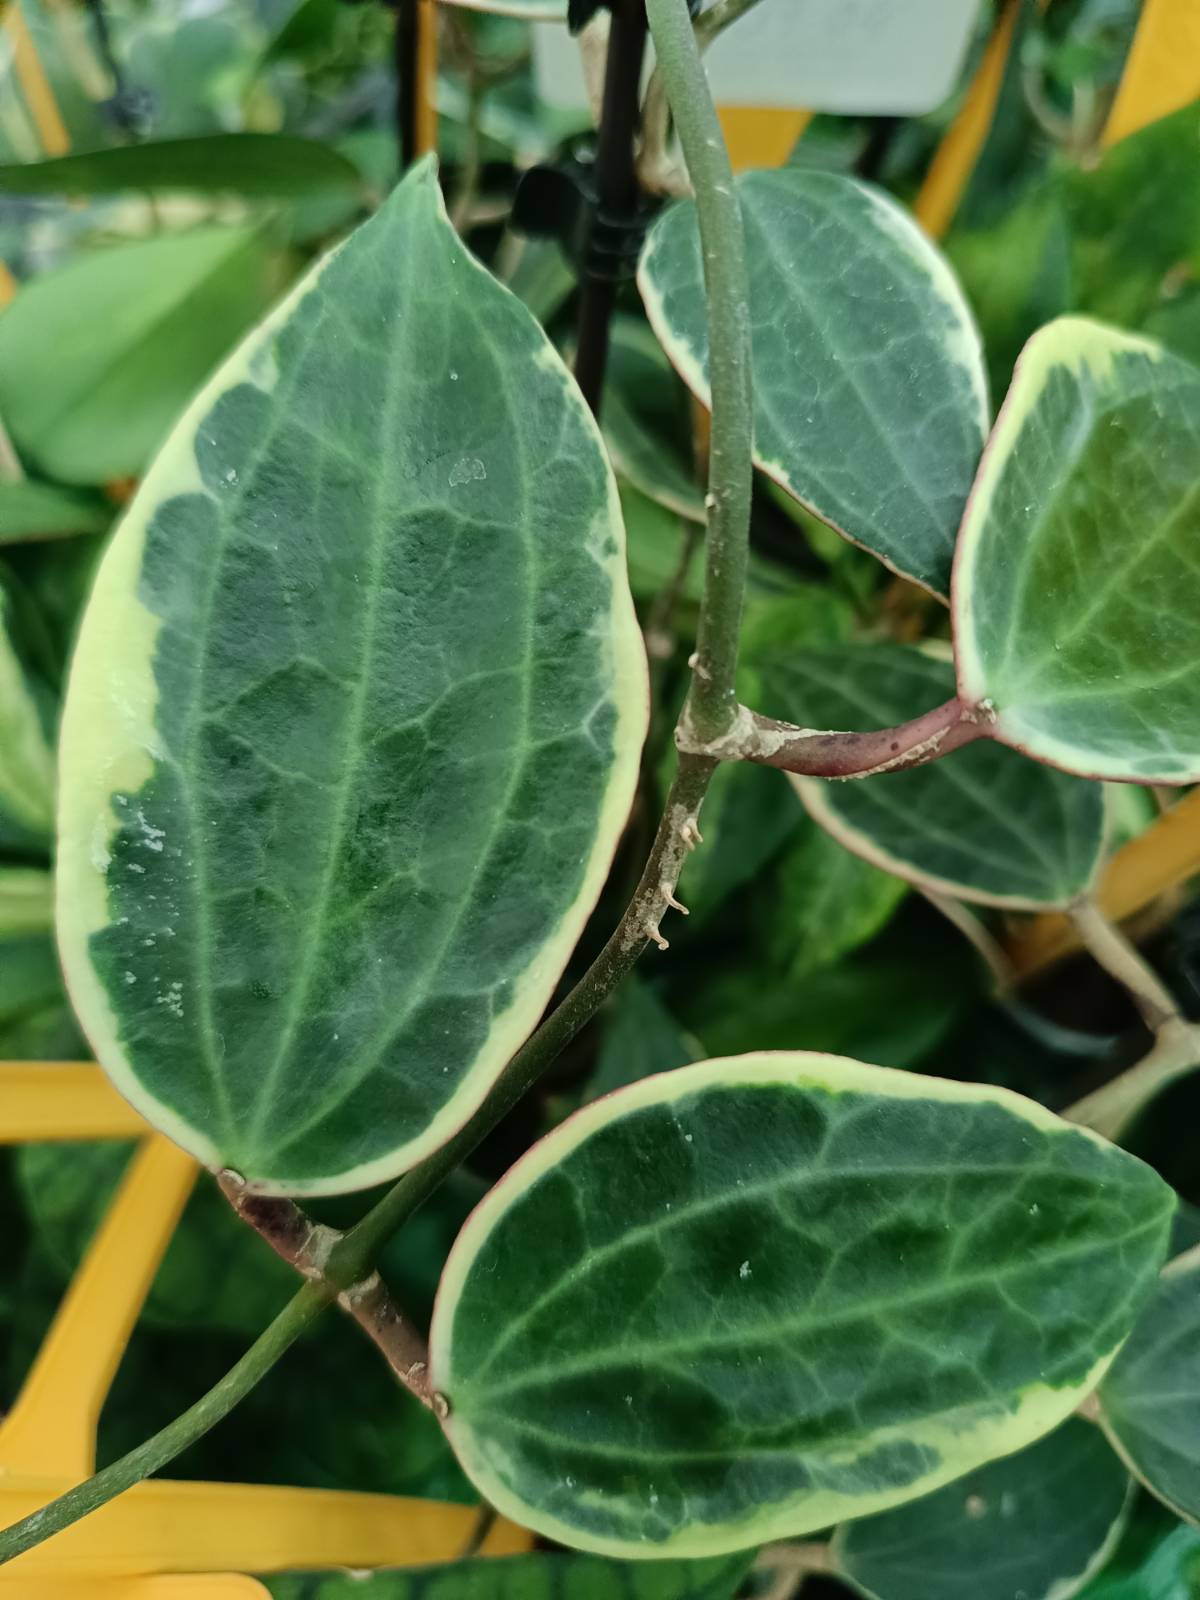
(167, 167)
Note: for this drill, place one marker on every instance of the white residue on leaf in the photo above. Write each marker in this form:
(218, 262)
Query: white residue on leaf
(131, 977)
(100, 854)
(152, 837)
(744, 1270)
(469, 470)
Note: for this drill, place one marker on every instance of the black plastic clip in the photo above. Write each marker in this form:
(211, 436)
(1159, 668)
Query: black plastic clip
(558, 200)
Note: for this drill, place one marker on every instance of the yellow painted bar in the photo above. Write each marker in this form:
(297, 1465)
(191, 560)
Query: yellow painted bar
(427, 73)
(950, 171)
(187, 1586)
(35, 86)
(51, 1430)
(761, 136)
(166, 1526)
(62, 1100)
(1162, 73)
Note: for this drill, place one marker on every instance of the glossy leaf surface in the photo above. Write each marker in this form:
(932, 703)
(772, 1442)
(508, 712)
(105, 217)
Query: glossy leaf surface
(1150, 1401)
(985, 823)
(137, 327)
(532, 1577)
(870, 398)
(353, 722)
(750, 1298)
(1037, 1524)
(1077, 587)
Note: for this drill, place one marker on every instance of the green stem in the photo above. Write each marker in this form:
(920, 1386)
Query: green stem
(113, 1480)
(1121, 960)
(712, 704)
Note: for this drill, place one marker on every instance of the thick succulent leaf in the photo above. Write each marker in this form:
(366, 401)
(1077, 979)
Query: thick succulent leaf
(136, 328)
(44, 511)
(26, 760)
(1150, 1401)
(756, 1296)
(1077, 584)
(870, 399)
(984, 823)
(532, 1577)
(353, 722)
(1037, 1524)
(252, 164)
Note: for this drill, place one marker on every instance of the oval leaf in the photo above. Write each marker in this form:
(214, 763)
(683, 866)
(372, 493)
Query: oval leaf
(136, 328)
(753, 1297)
(1150, 1401)
(44, 511)
(870, 398)
(983, 824)
(254, 164)
(1077, 585)
(353, 723)
(1036, 1524)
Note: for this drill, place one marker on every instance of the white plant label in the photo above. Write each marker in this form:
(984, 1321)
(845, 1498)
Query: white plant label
(853, 57)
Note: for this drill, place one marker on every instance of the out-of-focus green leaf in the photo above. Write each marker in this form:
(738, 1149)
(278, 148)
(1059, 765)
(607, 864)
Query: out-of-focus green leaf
(44, 511)
(1150, 1400)
(646, 421)
(136, 328)
(1165, 1566)
(875, 1006)
(26, 902)
(256, 165)
(747, 816)
(1036, 1524)
(216, 1274)
(822, 902)
(641, 1038)
(26, 760)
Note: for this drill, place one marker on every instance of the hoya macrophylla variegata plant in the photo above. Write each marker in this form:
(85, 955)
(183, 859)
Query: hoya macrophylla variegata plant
(353, 722)
(750, 1298)
(353, 730)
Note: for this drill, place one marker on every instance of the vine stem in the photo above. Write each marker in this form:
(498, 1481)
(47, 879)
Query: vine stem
(711, 709)
(1114, 952)
(814, 753)
(712, 703)
(658, 173)
(1176, 1048)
